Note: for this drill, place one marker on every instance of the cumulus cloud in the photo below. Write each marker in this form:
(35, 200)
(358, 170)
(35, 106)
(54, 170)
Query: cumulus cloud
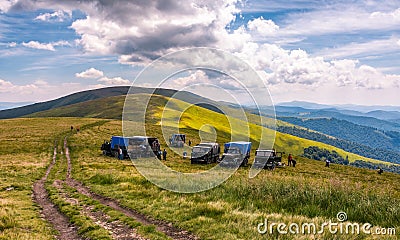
(139, 33)
(203, 78)
(45, 46)
(5, 5)
(263, 27)
(8, 87)
(114, 81)
(12, 44)
(278, 66)
(93, 73)
(159, 27)
(39, 90)
(57, 16)
(90, 73)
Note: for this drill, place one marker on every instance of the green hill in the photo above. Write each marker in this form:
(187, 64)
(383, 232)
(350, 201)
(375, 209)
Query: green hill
(193, 118)
(63, 101)
(96, 94)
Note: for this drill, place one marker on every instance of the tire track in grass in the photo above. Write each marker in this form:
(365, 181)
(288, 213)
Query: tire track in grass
(117, 229)
(162, 226)
(66, 230)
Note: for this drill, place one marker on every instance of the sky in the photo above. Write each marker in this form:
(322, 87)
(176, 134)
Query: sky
(323, 51)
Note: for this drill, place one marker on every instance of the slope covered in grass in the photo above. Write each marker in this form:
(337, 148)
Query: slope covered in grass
(308, 193)
(191, 119)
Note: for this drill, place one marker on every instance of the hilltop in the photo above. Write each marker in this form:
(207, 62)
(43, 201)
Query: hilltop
(101, 94)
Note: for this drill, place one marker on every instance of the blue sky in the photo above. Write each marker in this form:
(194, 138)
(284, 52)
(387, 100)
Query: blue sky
(334, 52)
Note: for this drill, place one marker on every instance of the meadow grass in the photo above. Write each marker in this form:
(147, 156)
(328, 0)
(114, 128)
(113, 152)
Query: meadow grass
(25, 152)
(308, 193)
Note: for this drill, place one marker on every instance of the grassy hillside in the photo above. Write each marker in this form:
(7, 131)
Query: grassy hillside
(100, 94)
(25, 151)
(193, 118)
(109, 108)
(308, 193)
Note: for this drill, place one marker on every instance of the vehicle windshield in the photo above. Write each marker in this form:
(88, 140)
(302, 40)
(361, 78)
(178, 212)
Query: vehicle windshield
(200, 150)
(137, 141)
(263, 153)
(233, 151)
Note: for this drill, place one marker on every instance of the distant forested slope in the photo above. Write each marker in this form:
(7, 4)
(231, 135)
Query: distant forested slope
(353, 147)
(368, 136)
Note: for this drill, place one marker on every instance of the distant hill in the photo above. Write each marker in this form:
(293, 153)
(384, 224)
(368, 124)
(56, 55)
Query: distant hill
(102, 93)
(9, 105)
(63, 101)
(386, 115)
(108, 107)
(346, 130)
(350, 146)
(351, 107)
(365, 120)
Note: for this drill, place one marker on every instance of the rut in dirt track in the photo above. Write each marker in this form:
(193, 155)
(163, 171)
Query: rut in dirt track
(162, 226)
(49, 211)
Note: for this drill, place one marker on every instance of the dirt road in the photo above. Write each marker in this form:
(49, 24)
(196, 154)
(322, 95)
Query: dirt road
(117, 229)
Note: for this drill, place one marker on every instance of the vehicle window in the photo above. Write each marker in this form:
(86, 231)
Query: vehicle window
(233, 151)
(199, 150)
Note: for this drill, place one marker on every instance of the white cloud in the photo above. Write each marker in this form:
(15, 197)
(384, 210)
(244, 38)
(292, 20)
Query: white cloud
(57, 16)
(201, 78)
(296, 67)
(8, 87)
(139, 33)
(5, 5)
(375, 47)
(263, 27)
(173, 25)
(45, 46)
(12, 44)
(90, 73)
(114, 81)
(38, 91)
(340, 20)
(93, 73)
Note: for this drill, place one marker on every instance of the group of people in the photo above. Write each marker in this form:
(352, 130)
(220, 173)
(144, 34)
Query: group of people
(163, 154)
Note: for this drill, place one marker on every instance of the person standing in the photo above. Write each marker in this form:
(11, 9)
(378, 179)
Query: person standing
(290, 159)
(190, 143)
(164, 154)
(120, 154)
(327, 162)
